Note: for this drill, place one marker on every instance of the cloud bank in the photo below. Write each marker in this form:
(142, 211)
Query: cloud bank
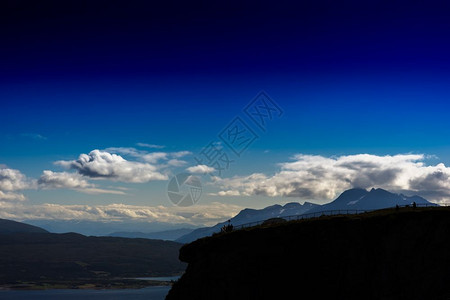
(98, 164)
(206, 214)
(315, 177)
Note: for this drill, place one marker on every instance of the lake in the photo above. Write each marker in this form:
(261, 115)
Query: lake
(149, 293)
(168, 278)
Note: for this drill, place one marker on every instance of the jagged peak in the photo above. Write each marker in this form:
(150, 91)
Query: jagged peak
(272, 207)
(291, 204)
(381, 191)
(355, 192)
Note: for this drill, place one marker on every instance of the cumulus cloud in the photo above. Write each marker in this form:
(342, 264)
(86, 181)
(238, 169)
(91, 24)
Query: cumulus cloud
(104, 165)
(207, 214)
(139, 167)
(200, 169)
(159, 159)
(57, 180)
(317, 177)
(154, 157)
(11, 181)
(74, 181)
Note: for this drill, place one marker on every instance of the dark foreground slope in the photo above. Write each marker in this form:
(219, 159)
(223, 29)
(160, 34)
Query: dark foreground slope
(63, 257)
(385, 254)
(8, 226)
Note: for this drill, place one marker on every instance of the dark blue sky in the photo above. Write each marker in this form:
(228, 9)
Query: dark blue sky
(352, 77)
(75, 62)
(79, 39)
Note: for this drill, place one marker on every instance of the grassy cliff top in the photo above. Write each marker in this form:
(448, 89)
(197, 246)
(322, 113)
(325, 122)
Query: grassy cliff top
(384, 254)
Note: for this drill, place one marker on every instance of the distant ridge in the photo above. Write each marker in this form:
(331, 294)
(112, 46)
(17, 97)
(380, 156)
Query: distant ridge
(252, 215)
(8, 226)
(104, 228)
(362, 199)
(167, 235)
(356, 198)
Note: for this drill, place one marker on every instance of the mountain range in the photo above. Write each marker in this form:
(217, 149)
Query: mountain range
(368, 200)
(30, 253)
(111, 228)
(167, 235)
(356, 198)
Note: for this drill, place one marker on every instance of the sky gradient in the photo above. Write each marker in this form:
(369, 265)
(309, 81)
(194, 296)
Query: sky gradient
(102, 103)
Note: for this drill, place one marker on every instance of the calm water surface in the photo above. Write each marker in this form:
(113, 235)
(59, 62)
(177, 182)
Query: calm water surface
(170, 278)
(149, 293)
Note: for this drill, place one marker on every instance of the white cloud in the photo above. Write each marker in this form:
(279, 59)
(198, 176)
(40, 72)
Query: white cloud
(180, 154)
(176, 162)
(104, 165)
(9, 196)
(58, 180)
(169, 158)
(315, 177)
(200, 169)
(226, 193)
(11, 181)
(126, 151)
(96, 191)
(154, 157)
(98, 164)
(74, 181)
(206, 214)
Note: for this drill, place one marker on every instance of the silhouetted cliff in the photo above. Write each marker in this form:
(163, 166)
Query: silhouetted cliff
(386, 254)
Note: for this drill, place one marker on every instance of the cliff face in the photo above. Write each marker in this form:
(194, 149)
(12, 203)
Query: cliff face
(401, 254)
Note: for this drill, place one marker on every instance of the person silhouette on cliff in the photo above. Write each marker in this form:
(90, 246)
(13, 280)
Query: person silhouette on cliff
(229, 227)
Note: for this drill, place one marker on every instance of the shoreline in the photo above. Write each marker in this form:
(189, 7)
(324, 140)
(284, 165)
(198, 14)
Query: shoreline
(82, 284)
